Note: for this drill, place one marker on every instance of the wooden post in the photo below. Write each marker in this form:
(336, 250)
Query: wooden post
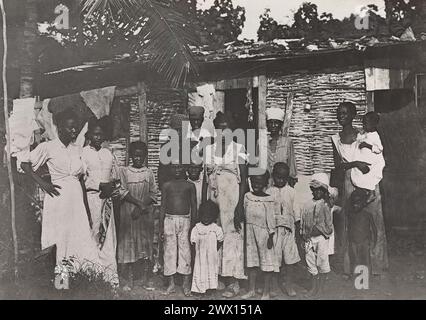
(288, 115)
(8, 159)
(263, 90)
(143, 121)
(370, 101)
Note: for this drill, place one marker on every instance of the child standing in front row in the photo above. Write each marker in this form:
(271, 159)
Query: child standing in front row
(178, 213)
(284, 240)
(260, 228)
(135, 230)
(316, 228)
(207, 237)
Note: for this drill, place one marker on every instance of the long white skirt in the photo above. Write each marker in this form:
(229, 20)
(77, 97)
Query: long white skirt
(107, 254)
(65, 223)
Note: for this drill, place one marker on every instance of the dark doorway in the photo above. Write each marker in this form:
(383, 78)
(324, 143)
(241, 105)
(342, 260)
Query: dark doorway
(235, 104)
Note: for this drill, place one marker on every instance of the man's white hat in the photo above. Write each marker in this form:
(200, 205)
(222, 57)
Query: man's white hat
(320, 179)
(275, 114)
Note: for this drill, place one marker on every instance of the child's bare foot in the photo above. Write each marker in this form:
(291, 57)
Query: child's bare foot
(187, 286)
(266, 296)
(249, 295)
(187, 292)
(289, 289)
(221, 285)
(170, 289)
(313, 292)
(127, 288)
(149, 286)
(229, 294)
(274, 293)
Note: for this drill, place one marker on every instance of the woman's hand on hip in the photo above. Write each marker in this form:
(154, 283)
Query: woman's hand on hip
(50, 189)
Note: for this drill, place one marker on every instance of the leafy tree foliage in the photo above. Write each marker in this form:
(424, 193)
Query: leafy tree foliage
(310, 24)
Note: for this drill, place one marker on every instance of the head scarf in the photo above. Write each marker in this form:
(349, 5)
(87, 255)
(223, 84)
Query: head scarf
(275, 114)
(320, 180)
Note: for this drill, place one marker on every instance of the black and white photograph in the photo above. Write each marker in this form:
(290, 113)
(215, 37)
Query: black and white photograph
(213, 154)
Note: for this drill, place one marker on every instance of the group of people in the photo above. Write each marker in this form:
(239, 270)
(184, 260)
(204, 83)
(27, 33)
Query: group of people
(218, 224)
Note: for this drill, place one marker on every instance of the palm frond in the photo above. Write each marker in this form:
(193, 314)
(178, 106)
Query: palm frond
(155, 28)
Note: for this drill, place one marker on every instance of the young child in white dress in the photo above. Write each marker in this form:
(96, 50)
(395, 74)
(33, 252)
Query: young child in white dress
(260, 229)
(207, 237)
(370, 151)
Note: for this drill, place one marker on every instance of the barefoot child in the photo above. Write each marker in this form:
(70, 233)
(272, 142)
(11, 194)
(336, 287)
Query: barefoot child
(370, 151)
(362, 232)
(207, 237)
(260, 220)
(178, 212)
(284, 239)
(316, 228)
(136, 224)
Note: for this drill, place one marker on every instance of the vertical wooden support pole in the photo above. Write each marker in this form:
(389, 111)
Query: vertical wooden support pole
(263, 87)
(263, 137)
(143, 122)
(370, 101)
(288, 115)
(8, 157)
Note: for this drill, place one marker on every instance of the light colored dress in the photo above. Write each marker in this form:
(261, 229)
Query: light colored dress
(378, 253)
(136, 237)
(260, 221)
(206, 266)
(284, 241)
(101, 167)
(223, 180)
(284, 152)
(64, 218)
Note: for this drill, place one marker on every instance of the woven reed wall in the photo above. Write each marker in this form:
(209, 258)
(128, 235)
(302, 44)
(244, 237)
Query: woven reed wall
(162, 102)
(312, 131)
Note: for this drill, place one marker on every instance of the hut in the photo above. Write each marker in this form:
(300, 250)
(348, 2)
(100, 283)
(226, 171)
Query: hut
(307, 80)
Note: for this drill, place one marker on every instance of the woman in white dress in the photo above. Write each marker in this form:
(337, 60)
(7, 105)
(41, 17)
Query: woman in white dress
(100, 170)
(65, 221)
(227, 183)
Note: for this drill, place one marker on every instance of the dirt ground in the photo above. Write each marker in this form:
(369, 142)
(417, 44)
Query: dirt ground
(406, 279)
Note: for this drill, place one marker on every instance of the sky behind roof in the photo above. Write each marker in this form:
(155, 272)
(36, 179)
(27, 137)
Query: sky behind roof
(283, 10)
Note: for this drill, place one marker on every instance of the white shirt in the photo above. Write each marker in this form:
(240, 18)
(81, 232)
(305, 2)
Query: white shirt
(62, 161)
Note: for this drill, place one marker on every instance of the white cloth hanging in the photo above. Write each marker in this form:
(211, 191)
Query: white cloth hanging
(45, 120)
(22, 126)
(99, 101)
